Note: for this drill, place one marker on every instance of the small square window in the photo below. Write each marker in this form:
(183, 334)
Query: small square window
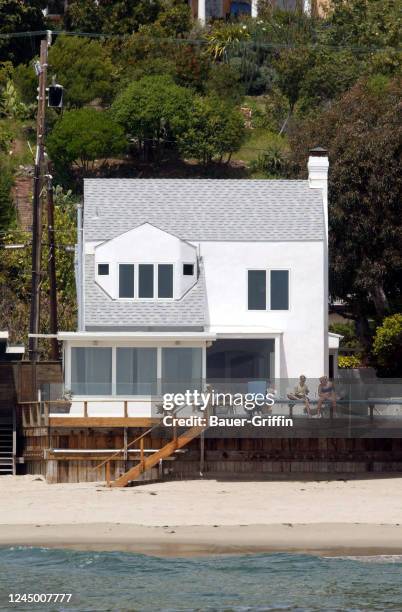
(103, 269)
(188, 269)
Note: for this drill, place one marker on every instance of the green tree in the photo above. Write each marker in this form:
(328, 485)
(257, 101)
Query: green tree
(291, 67)
(153, 110)
(15, 273)
(387, 346)
(369, 23)
(174, 20)
(26, 83)
(348, 333)
(328, 74)
(191, 66)
(117, 17)
(83, 136)
(215, 129)
(224, 82)
(84, 69)
(20, 16)
(84, 16)
(7, 211)
(363, 133)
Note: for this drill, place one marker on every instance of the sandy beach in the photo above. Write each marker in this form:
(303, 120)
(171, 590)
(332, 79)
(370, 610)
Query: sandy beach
(359, 516)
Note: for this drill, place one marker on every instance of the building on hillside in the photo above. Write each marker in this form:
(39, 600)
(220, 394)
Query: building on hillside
(216, 9)
(226, 9)
(55, 9)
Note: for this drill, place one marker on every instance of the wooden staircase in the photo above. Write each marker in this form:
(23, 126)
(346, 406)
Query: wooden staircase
(165, 452)
(6, 449)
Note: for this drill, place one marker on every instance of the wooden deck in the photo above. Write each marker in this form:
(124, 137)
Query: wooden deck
(68, 448)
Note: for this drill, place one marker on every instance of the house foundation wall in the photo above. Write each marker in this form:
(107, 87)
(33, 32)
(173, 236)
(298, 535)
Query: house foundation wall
(232, 458)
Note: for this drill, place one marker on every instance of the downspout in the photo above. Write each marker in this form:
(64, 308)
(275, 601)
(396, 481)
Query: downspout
(79, 276)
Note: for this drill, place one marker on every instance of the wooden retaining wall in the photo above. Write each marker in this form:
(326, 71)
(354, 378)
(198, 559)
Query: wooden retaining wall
(226, 457)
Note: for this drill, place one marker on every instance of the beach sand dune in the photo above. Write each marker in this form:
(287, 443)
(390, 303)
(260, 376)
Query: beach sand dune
(358, 516)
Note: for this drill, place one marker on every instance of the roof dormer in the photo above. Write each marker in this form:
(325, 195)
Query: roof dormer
(145, 263)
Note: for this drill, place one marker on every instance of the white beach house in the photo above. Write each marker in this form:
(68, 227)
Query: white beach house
(181, 281)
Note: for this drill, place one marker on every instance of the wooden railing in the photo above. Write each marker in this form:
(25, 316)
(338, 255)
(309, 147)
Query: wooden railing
(35, 414)
(39, 413)
(123, 451)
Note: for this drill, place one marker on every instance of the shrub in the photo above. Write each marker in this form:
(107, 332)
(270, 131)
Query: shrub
(347, 330)
(153, 110)
(83, 68)
(387, 346)
(7, 211)
(84, 135)
(215, 129)
(271, 162)
(348, 361)
(224, 82)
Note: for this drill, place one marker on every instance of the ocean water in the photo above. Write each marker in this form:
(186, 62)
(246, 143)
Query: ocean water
(240, 583)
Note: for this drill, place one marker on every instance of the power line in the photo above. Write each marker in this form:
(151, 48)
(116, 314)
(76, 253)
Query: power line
(204, 42)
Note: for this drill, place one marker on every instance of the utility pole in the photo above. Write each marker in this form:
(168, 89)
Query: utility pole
(54, 352)
(34, 319)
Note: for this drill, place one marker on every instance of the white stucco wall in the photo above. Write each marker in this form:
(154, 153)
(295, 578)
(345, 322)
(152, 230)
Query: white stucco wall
(145, 245)
(303, 326)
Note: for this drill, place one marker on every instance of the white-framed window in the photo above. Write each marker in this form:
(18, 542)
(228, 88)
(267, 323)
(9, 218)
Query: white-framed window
(126, 280)
(268, 289)
(188, 269)
(146, 281)
(257, 290)
(279, 290)
(91, 370)
(181, 369)
(103, 269)
(134, 371)
(165, 280)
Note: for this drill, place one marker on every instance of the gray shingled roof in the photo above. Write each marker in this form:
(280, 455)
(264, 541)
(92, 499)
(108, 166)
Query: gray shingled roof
(101, 311)
(198, 209)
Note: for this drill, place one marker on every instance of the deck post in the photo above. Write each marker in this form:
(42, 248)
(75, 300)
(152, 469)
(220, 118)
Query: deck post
(125, 409)
(142, 452)
(46, 415)
(107, 473)
(85, 409)
(202, 453)
(125, 452)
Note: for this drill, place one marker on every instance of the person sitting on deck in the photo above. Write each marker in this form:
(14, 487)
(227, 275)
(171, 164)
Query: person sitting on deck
(326, 393)
(301, 392)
